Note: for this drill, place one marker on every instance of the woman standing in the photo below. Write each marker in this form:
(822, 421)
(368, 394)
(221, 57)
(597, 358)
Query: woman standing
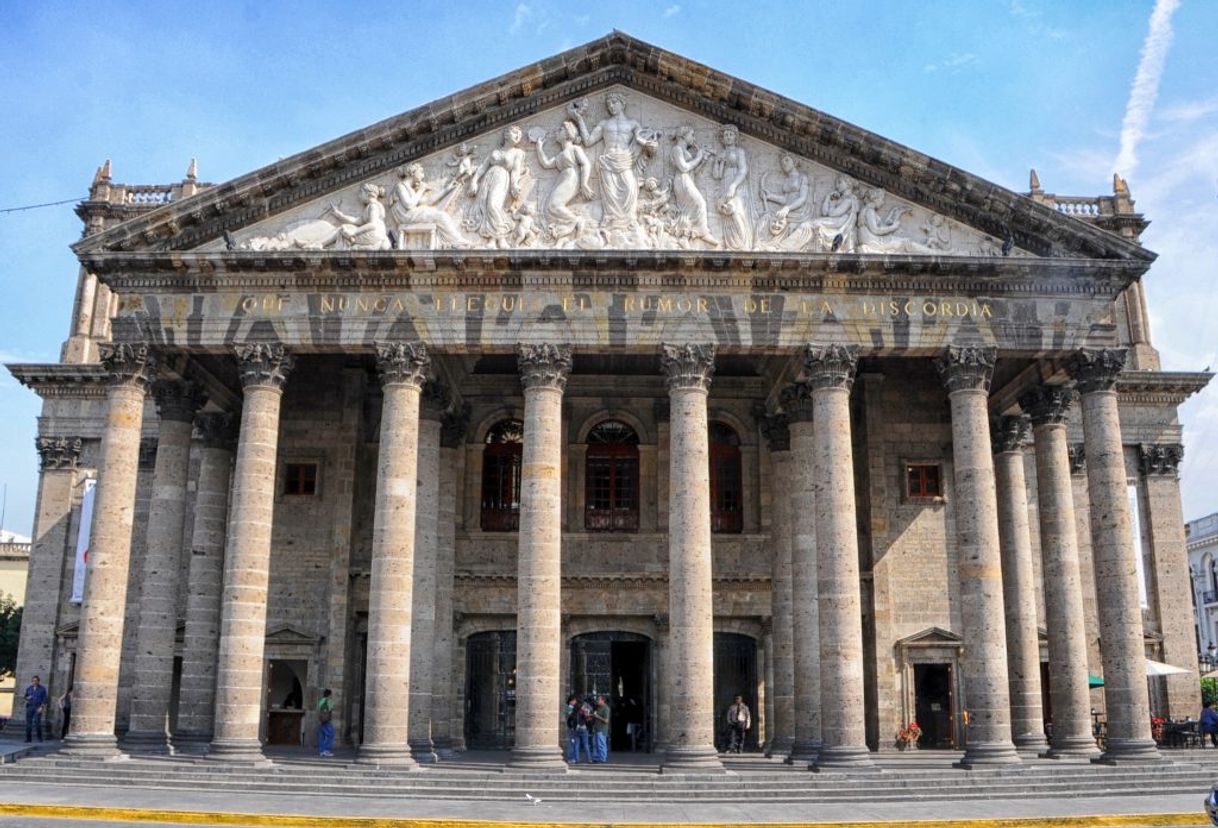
(498, 184)
(690, 224)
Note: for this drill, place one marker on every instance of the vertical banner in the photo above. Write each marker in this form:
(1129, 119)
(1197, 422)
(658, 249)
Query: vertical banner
(1135, 527)
(82, 542)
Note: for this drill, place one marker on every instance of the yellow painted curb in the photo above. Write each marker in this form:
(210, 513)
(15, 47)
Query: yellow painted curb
(137, 815)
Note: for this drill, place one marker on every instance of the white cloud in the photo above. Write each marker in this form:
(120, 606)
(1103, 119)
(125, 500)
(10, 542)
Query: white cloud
(956, 60)
(1187, 111)
(523, 12)
(1033, 20)
(671, 10)
(1145, 85)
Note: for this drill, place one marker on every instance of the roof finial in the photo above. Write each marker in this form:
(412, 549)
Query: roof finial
(102, 176)
(1034, 182)
(1119, 187)
(192, 171)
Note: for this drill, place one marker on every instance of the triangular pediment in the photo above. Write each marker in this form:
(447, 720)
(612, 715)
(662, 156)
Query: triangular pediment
(661, 174)
(290, 635)
(931, 636)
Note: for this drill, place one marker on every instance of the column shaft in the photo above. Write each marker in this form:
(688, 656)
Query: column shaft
(204, 582)
(782, 692)
(99, 647)
(443, 695)
(843, 721)
(966, 373)
(691, 746)
(543, 370)
(387, 698)
(1019, 588)
(247, 558)
(1122, 647)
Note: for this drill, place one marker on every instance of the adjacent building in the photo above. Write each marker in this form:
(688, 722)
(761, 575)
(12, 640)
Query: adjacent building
(618, 375)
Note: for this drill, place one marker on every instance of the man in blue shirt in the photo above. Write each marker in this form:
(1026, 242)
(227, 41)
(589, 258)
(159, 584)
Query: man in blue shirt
(35, 706)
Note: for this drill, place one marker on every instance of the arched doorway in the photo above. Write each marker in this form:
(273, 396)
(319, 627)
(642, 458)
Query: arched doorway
(490, 690)
(617, 665)
(735, 675)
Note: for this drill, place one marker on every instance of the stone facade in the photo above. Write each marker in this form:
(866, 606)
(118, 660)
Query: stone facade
(650, 418)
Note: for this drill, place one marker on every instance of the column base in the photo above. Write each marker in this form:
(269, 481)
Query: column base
(537, 759)
(1031, 743)
(423, 751)
(779, 747)
(852, 758)
(1129, 751)
(390, 756)
(692, 759)
(444, 748)
(92, 746)
(147, 741)
(237, 752)
(1072, 747)
(803, 751)
(188, 739)
(986, 754)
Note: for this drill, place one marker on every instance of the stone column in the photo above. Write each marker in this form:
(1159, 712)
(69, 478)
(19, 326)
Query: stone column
(263, 369)
(58, 458)
(423, 619)
(1069, 694)
(452, 438)
(782, 692)
(1126, 695)
(1018, 586)
(966, 373)
(830, 370)
(691, 657)
(387, 696)
(99, 647)
(204, 580)
(157, 626)
(796, 402)
(543, 372)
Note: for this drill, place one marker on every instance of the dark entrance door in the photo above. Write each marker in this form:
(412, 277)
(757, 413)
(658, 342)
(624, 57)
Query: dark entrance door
(735, 675)
(617, 665)
(490, 690)
(934, 702)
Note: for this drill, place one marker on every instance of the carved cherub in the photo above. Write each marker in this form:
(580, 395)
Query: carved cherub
(526, 226)
(938, 234)
(461, 163)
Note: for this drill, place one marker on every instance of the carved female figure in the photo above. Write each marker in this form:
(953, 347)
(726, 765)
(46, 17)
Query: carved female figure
(690, 224)
(362, 233)
(413, 203)
(876, 231)
(786, 224)
(499, 183)
(562, 223)
(732, 166)
(836, 228)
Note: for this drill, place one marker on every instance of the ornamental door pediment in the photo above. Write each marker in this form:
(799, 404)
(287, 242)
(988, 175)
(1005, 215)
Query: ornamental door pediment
(616, 170)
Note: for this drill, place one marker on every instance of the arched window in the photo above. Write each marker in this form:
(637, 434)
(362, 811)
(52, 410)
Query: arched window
(501, 477)
(611, 492)
(727, 492)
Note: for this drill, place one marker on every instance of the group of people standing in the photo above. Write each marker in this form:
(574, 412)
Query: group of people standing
(587, 729)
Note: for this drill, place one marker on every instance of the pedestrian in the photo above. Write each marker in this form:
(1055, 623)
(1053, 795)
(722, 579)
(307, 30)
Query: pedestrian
(65, 708)
(1209, 724)
(35, 707)
(739, 720)
(325, 729)
(577, 730)
(600, 727)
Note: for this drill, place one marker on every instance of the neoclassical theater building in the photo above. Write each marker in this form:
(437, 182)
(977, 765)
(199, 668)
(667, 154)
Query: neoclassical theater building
(612, 375)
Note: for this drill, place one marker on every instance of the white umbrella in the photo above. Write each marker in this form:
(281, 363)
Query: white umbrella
(1158, 668)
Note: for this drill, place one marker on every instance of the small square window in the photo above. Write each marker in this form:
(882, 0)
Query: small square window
(300, 479)
(923, 480)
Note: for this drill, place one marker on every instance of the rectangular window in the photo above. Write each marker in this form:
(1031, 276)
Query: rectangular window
(300, 479)
(922, 480)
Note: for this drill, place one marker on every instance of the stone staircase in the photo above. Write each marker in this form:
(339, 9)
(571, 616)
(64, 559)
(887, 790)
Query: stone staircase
(475, 778)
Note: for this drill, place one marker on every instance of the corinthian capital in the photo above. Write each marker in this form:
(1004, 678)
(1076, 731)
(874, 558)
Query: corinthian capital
(777, 432)
(178, 400)
(1096, 369)
(831, 366)
(402, 363)
(218, 429)
(688, 366)
(1010, 434)
(1048, 404)
(796, 401)
(1162, 458)
(58, 453)
(265, 364)
(544, 366)
(434, 400)
(128, 363)
(967, 368)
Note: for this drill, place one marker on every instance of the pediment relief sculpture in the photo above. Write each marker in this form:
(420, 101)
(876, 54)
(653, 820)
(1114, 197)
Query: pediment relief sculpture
(618, 172)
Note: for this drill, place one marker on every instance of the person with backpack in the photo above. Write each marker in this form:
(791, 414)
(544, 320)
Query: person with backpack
(577, 730)
(325, 729)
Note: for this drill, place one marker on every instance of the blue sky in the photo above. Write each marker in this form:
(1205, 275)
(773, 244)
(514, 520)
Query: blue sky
(993, 86)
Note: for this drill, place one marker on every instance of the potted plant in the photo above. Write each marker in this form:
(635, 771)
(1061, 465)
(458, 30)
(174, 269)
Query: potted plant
(907, 736)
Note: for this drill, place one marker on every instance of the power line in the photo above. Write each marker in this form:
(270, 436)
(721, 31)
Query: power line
(36, 206)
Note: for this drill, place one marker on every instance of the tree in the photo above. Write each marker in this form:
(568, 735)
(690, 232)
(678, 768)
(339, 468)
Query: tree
(10, 632)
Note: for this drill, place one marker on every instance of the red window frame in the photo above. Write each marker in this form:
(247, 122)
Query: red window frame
(923, 481)
(726, 481)
(300, 479)
(502, 459)
(611, 479)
